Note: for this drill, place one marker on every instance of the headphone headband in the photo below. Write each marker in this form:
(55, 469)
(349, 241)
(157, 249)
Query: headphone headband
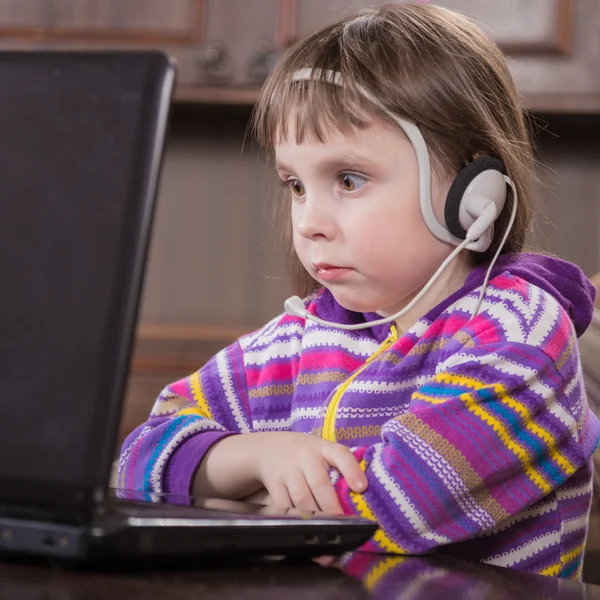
(412, 133)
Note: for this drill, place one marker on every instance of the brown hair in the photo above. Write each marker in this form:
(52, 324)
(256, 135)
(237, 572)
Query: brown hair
(425, 63)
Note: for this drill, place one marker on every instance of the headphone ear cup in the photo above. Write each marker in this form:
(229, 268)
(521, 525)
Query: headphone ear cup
(456, 193)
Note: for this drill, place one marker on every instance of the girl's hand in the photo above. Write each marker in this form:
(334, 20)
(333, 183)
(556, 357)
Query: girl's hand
(294, 470)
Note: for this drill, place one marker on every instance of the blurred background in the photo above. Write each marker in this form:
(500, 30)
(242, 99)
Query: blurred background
(215, 270)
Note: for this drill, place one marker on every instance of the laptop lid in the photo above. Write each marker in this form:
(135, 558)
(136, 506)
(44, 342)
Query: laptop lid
(81, 136)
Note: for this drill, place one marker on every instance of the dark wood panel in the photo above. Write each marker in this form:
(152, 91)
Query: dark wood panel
(139, 21)
(242, 41)
(534, 27)
(518, 26)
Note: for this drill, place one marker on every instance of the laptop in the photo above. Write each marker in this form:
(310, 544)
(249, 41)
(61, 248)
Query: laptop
(81, 140)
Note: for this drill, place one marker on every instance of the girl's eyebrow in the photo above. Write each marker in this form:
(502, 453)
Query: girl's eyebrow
(334, 163)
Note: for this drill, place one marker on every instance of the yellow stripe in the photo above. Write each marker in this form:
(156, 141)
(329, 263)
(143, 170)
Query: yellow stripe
(363, 508)
(201, 409)
(501, 392)
(515, 448)
(381, 568)
(556, 568)
(553, 570)
(542, 433)
(329, 422)
(569, 556)
(432, 399)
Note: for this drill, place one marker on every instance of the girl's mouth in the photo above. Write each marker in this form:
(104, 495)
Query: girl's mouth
(327, 272)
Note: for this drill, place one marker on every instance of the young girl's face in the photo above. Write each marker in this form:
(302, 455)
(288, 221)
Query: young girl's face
(357, 224)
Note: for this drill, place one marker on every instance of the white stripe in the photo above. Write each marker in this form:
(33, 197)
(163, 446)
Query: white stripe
(401, 500)
(447, 473)
(529, 376)
(125, 454)
(516, 312)
(308, 412)
(536, 298)
(198, 425)
(568, 493)
(526, 309)
(349, 412)
(511, 326)
(267, 337)
(272, 424)
(278, 349)
(419, 328)
(230, 394)
(303, 412)
(546, 322)
(577, 524)
(384, 387)
(324, 338)
(313, 338)
(535, 546)
(169, 405)
(535, 511)
(248, 339)
(578, 379)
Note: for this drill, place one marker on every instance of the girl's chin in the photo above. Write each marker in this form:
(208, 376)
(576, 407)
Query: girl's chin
(356, 305)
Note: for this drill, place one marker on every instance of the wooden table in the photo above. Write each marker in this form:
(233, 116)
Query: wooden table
(359, 576)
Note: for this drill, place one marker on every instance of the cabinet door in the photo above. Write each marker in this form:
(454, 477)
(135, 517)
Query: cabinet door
(175, 27)
(553, 45)
(519, 26)
(241, 43)
(153, 21)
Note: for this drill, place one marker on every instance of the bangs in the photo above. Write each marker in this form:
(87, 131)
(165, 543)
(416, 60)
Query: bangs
(310, 109)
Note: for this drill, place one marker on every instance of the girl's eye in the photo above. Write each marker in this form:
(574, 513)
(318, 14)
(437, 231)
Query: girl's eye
(296, 186)
(351, 181)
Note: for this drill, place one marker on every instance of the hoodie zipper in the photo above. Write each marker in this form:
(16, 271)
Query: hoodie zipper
(330, 414)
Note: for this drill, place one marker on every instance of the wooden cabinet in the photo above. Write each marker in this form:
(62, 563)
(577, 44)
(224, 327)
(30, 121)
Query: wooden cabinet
(226, 43)
(553, 45)
(242, 42)
(105, 21)
(225, 48)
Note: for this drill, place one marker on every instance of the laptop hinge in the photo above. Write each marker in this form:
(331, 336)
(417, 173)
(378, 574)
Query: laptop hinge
(42, 538)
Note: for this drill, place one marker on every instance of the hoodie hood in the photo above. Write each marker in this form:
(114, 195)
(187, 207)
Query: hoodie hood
(565, 281)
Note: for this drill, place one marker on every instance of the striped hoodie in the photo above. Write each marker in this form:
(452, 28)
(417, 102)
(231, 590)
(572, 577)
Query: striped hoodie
(475, 434)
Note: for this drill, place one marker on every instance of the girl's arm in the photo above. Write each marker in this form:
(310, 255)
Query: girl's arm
(188, 418)
(496, 430)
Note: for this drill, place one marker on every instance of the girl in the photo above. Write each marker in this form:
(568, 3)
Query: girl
(446, 402)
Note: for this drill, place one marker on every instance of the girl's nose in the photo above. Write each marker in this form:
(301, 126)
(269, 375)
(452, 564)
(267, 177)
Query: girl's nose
(314, 219)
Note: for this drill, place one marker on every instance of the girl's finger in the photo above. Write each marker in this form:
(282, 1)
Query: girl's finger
(300, 492)
(322, 489)
(343, 460)
(280, 496)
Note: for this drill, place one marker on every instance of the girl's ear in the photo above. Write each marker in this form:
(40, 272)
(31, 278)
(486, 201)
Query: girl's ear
(477, 186)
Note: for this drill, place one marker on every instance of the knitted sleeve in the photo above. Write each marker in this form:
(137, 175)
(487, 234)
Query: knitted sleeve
(230, 394)
(188, 418)
(491, 433)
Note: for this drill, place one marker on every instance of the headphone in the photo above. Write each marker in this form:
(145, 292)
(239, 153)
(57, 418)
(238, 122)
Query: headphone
(473, 203)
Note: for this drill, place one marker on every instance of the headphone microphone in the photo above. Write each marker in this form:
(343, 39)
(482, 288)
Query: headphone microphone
(474, 202)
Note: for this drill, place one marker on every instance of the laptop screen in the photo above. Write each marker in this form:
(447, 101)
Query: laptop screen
(80, 142)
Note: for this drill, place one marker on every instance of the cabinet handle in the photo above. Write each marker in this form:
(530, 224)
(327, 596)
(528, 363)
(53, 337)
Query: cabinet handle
(214, 63)
(262, 62)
